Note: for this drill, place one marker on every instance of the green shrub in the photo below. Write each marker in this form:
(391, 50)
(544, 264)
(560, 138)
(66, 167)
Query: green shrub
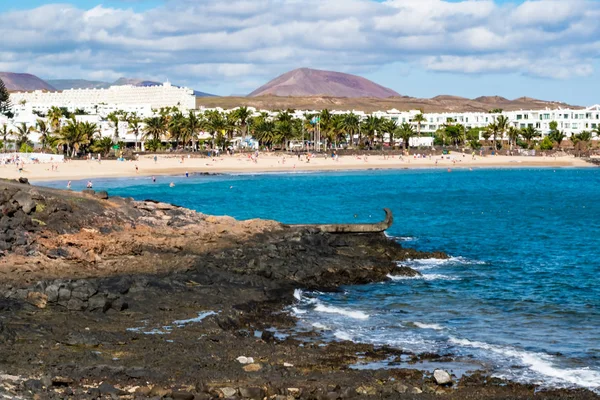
(546, 144)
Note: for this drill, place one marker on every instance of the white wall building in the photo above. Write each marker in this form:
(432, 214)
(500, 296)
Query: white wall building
(154, 97)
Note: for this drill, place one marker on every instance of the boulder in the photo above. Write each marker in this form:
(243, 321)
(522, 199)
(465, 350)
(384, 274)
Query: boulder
(442, 377)
(101, 194)
(228, 392)
(76, 305)
(255, 393)
(52, 293)
(24, 201)
(98, 302)
(108, 389)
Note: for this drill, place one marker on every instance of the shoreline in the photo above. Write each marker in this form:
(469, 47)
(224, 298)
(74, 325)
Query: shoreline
(237, 164)
(101, 281)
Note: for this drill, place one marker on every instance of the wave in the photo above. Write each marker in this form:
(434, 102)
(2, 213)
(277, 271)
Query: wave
(342, 335)
(298, 294)
(298, 311)
(435, 327)
(541, 364)
(336, 310)
(319, 325)
(429, 263)
(426, 277)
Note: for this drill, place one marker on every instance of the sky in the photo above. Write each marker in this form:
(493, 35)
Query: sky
(548, 49)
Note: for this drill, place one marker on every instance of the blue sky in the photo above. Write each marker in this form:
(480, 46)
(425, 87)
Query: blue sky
(548, 49)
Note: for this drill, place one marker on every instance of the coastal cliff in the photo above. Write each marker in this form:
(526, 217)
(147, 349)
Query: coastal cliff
(104, 297)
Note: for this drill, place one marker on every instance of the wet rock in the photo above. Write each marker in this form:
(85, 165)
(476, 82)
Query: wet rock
(23, 180)
(182, 396)
(7, 335)
(255, 393)
(107, 388)
(442, 378)
(81, 339)
(76, 305)
(52, 293)
(98, 302)
(267, 336)
(33, 385)
(61, 381)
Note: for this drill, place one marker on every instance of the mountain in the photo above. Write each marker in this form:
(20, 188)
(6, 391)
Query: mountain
(65, 84)
(313, 82)
(24, 82)
(135, 82)
(369, 104)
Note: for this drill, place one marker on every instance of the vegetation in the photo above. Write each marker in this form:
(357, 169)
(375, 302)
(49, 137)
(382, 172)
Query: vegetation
(529, 133)
(5, 105)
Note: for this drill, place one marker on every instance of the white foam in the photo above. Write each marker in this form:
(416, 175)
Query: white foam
(425, 277)
(298, 311)
(541, 364)
(298, 294)
(342, 335)
(199, 318)
(336, 310)
(428, 326)
(319, 325)
(429, 263)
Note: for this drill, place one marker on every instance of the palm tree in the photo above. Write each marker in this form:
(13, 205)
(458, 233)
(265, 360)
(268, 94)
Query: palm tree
(54, 116)
(284, 127)
(44, 130)
(215, 123)
(176, 127)
(103, 145)
(351, 124)
(513, 135)
(133, 124)
(192, 127)
(74, 136)
(557, 137)
(243, 115)
(265, 132)
(405, 132)
(114, 119)
(529, 134)
(501, 125)
(370, 126)
(456, 133)
(419, 119)
(492, 131)
(22, 135)
(155, 127)
(389, 126)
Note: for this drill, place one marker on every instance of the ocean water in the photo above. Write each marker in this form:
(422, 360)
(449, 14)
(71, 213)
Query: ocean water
(520, 294)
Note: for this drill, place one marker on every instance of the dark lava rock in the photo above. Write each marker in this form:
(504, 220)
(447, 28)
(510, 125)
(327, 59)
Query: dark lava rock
(7, 335)
(80, 339)
(183, 396)
(101, 194)
(107, 388)
(34, 385)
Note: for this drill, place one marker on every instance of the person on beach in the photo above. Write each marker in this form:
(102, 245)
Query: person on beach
(90, 185)
(155, 159)
(137, 171)
(69, 185)
(187, 174)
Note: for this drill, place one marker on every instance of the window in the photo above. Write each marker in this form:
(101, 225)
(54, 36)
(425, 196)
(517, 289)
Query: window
(538, 125)
(519, 117)
(522, 126)
(574, 126)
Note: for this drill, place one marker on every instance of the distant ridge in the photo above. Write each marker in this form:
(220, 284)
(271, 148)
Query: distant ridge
(16, 82)
(313, 82)
(66, 84)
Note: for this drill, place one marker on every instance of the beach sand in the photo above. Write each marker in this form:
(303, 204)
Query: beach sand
(173, 165)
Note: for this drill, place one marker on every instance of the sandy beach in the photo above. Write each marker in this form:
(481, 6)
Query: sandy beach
(174, 165)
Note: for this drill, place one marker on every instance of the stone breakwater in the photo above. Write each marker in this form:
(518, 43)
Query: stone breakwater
(113, 298)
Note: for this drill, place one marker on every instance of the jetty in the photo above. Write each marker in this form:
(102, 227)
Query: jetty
(353, 228)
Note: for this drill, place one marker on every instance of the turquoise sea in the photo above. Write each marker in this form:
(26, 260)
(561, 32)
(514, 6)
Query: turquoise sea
(520, 295)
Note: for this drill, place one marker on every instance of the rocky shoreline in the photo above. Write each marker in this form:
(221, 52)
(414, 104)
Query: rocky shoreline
(113, 298)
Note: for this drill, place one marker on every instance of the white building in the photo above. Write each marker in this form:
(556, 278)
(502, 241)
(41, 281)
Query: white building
(147, 97)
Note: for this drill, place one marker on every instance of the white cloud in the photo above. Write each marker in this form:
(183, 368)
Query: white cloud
(251, 40)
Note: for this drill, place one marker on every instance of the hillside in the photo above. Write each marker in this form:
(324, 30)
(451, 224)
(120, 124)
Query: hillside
(404, 103)
(24, 82)
(65, 84)
(312, 82)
